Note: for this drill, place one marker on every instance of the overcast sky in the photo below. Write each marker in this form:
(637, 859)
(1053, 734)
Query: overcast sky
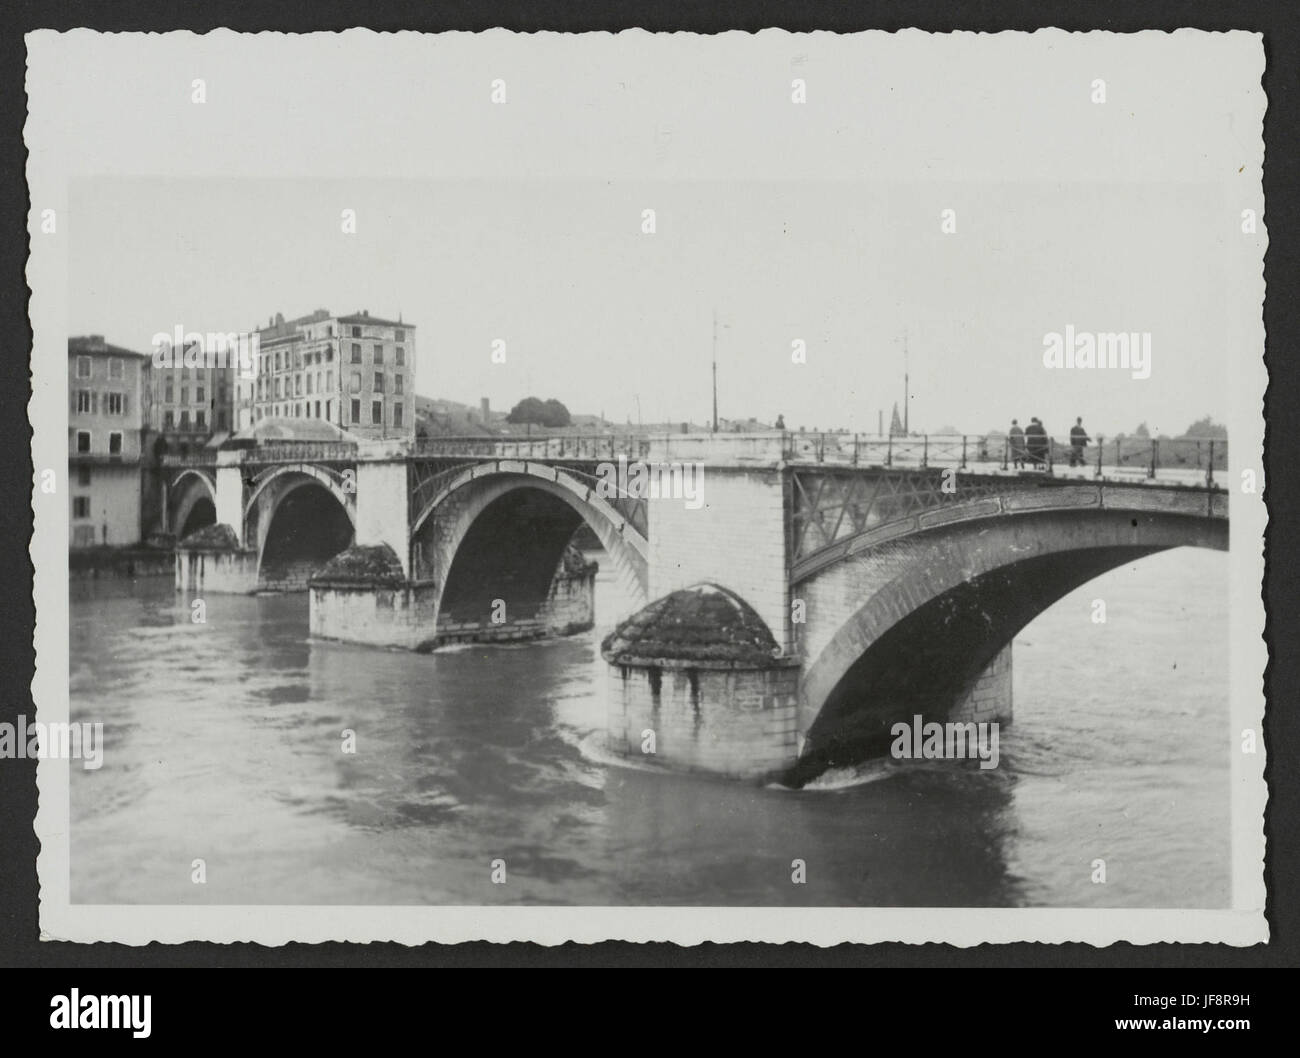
(819, 222)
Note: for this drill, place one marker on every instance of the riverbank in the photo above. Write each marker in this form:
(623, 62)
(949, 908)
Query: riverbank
(126, 563)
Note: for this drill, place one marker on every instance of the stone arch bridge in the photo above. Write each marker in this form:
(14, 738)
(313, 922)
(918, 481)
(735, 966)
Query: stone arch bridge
(891, 578)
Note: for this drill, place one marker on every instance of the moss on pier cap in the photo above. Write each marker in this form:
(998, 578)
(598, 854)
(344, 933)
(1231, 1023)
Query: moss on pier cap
(219, 537)
(376, 566)
(704, 625)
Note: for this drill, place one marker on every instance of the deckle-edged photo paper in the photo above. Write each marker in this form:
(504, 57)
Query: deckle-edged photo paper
(656, 487)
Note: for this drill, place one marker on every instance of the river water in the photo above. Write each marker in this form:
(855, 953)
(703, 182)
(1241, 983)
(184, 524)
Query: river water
(223, 741)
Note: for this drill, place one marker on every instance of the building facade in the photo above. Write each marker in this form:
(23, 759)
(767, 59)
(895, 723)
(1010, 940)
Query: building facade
(191, 406)
(108, 415)
(356, 372)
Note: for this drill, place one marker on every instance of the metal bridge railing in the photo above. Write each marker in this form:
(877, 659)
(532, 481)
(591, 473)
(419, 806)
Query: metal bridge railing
(1125, 457)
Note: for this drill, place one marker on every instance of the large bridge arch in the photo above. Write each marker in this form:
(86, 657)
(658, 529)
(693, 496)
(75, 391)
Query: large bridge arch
(453, 519)
(298, 517)
(907, 625)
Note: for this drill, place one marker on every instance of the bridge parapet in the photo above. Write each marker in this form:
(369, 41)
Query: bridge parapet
(574, 447)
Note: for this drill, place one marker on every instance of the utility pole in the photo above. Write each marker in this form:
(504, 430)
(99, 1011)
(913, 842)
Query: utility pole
(715, 370)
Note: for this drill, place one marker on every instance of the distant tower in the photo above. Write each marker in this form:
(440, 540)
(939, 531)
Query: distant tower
(896, 424)
(485, 410)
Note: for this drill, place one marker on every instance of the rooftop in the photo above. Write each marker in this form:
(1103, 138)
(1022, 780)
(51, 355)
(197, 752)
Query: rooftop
(365, 317)
(94, 345)
(284, 429)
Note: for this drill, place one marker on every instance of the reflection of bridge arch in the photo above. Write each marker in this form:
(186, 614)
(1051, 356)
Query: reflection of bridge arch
(910, 614)
(191, 502)
(453, 514)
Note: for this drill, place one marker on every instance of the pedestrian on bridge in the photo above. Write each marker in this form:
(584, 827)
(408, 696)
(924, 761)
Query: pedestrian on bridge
(1036, 441)
(1016, 442)
(1078, 440)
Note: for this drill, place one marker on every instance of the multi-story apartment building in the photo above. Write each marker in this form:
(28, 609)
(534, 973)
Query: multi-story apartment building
(356, 372)
(191, 405)
(108, 415)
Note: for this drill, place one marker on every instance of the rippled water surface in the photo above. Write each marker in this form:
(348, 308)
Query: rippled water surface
(223, 741)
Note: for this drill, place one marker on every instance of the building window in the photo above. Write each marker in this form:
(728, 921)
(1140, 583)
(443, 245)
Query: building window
(185, 420)
(397, 383)
(277, 361)
(356, 352)
(83, 536)
(221, 420)
(83, 367)
(329, 380)
(199, 394)
(356, 332)
(81, 508)
(83, 401)
(169, 394)
(399, 335)
(83, 440)
(83, 475)
(297, 385)
(356, 382)
(377, 412)
(329, 410)
(310, 390)
(115, 367)
(318, 409)
(329, 353)
(401, 355)
(168, 420)
(379, 382)
(356, 410)
(115, 443)
(115, 403)
(185, 394)
(397, 414)
(200, 420)
(379, 353)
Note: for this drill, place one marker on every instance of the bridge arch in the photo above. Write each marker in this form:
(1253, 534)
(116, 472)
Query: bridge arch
(472, 509)
(908, 625)
(298, 516)
(191, 502)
